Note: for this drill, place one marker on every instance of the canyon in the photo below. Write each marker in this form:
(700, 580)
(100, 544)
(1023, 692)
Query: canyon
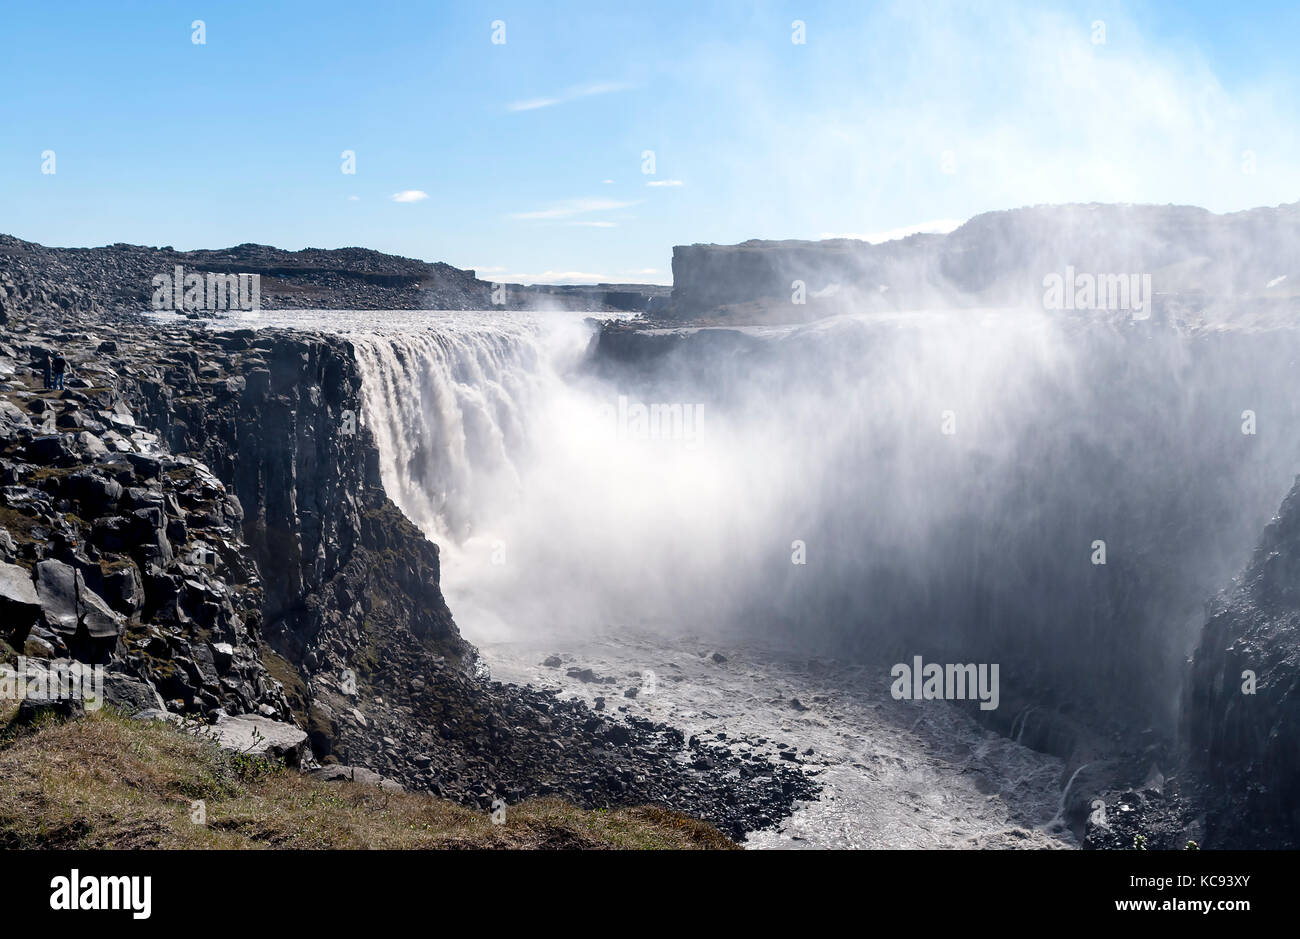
(209, 523)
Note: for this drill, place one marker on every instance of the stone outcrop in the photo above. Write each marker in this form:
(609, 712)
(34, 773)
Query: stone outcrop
(1242, 698)
(120, 278)
(114, 551)
(259, 736)
(21, 292)
(1204, 267)
(277, 414)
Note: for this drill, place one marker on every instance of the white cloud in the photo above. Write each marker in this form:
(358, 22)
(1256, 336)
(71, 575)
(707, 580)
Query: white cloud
(939, 226)
(409, 195)
(354, 198)
(665, 182)
(607, 181)
(532, 104)
(570, 208)
(596, 224)
(571, 94)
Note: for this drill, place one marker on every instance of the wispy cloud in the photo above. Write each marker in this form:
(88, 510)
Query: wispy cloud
(409, 195)
(570, 94)
(596, 224)
(532, 104)
(665, 182)
(570, 208)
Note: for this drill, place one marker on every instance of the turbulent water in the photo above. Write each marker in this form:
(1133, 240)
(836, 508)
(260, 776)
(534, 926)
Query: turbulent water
(849, 493)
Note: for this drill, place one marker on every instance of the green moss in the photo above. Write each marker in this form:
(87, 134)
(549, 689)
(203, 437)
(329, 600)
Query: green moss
(18, 524)
(50, 472)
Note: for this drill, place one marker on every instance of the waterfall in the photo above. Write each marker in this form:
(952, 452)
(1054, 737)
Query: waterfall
(865, 487)
(1058, 820)
(450, 412)
(552, 513)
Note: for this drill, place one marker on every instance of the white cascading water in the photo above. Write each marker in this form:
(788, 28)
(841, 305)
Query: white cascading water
(555, 517)
(550, 519)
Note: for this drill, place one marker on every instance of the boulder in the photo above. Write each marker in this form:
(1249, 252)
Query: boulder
(94, 493)
(146, 466)
(11, 413)
(90, 447)
(57, 586)
(260, 736)
(123, 590)
(340, 773)
(130, 694)
(20, 606)
(69, 606)
(98, 618)
(51, 450)
(32, 709)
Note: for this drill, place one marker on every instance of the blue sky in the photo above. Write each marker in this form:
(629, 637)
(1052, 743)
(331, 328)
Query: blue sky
(891, 116)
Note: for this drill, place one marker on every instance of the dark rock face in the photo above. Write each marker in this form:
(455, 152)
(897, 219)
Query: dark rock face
(130, 694)
(1242, 699)
(276, 414)
(20, 605)
(120, 278)
(21, 292)
(116, 552)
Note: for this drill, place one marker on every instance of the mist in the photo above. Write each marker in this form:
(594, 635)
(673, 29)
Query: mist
(868, 486)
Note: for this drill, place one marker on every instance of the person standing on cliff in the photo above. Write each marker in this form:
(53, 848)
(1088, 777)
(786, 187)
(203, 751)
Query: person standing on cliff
(60, 366)
(44, 361)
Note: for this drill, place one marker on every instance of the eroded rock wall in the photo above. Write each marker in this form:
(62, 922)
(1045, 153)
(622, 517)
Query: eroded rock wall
(1242, 697)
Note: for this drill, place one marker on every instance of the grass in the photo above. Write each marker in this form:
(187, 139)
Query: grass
(106, 781)
(19, 524)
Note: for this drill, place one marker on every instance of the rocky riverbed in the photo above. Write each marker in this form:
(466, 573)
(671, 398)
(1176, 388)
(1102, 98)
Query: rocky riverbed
(892, 774)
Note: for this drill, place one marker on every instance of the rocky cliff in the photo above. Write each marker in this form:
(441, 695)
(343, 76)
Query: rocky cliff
(120, 277)
(117, 552)
(1242, 695)
(201, 512)
(1239, 266)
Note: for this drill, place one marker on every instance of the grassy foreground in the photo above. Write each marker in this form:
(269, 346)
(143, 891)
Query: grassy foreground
(106, 781)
